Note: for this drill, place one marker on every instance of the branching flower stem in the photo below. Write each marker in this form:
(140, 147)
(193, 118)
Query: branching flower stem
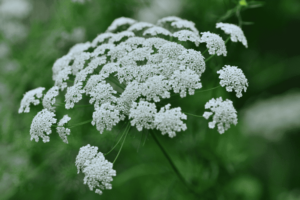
(126, 132)
(192, 114)
(117, 142)
(172, 163)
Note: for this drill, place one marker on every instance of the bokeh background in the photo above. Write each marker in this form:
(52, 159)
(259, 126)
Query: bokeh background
(257, 159)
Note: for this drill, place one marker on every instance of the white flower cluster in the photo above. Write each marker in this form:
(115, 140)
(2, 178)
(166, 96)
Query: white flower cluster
(224, 114)
(235, 32)
(31, 96)
(49, 98)
(41, 123)
(97, 170)
(126, 72)
(214, 43)
(62, 131)
(234, 79)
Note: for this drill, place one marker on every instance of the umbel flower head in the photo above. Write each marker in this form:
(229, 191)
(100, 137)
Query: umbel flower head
(31, 96)
(223, 113)
(234, 79)
(126, 72)
(97, 170)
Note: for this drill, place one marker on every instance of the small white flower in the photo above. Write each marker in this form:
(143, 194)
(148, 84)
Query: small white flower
(233, 78)
(193, 60)
(31, 96)
(62, 76)
(82, 75)
(214, 43)
(122, 21)
(223, 113)
(101, 50)
(106, 117)
(235, 32)
(156, 30)
(41, 123)
(93, 82)
(170, 120)
(142, 115)
(183, 79)
(166, 20)
(154, 42)
(59, 65)
(79, 62)
(73, 95)
(171, 50)
(85, 153)
(155, 87)
(102, 93)
(140, 26)
(102, 38)
(62, 131)
(185, 24)
(49, 98)
(186, 35)
(119, 36)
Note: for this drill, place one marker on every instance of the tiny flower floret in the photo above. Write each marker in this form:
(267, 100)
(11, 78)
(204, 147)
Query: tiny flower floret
(156, 30)
(140, 26)
(31, 96)
(233, 78)
(170, 120)
(235, 32)
(183, 79)
(142, 115)
(106, 117)
(186, 35)
(41, 123)
(62, 131)
(122, 21)
(73, 95)
(223, 113)
(214, 43)
(49, 98)
(97, 170)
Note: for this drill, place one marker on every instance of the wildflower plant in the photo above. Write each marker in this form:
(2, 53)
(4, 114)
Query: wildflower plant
(129, 73)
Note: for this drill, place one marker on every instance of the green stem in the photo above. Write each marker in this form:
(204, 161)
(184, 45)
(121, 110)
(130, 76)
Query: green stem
(117, 142)
(207, 89)
(126, 130)
(210, 57)
(172, 163)
(192, 115)
(81, 123)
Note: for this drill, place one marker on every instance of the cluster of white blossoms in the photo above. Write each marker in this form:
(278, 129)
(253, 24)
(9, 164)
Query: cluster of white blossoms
(61, 130)
(126, 72)
(97, 170)
(224, 114)
(233, 78)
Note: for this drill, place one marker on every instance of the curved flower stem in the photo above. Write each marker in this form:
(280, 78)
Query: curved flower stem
(81, 123)
(117, 142)
(172, 163)
(126, 132)
(192, 115)
(207, 89)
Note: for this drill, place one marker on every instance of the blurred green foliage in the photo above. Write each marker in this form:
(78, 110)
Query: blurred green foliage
(229, 166)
